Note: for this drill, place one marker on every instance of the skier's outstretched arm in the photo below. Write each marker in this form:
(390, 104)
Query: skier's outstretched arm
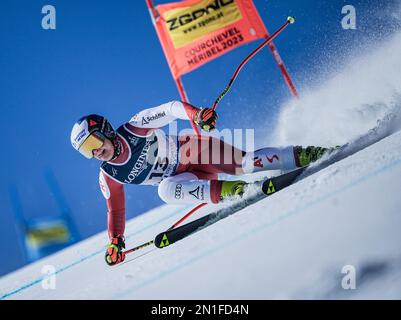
(113, 191)
(162, 115)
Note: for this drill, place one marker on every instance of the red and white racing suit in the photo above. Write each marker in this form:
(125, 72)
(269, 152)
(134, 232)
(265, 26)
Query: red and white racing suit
(184, 168)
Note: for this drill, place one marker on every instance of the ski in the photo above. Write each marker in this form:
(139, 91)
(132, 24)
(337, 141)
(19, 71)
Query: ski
(268, 187)
(274, 184)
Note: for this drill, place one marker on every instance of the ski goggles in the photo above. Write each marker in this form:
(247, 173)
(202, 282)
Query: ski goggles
(93, 142)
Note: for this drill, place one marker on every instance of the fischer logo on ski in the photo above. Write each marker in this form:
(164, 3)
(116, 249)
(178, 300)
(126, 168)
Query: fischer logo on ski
(164, 242)
(271, 189)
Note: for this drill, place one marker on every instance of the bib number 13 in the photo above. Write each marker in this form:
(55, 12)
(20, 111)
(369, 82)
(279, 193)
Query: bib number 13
(158, 171)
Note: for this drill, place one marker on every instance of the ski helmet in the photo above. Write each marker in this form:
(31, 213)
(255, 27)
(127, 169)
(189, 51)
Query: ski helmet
(89, 133)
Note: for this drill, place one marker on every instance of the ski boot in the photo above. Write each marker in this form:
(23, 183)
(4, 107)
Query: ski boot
(305, 156)
(232, 188)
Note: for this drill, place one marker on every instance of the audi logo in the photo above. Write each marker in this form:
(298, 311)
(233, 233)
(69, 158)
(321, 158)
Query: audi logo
(178, 191)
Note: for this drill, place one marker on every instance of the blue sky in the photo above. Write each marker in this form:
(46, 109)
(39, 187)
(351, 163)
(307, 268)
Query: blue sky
(104, 57)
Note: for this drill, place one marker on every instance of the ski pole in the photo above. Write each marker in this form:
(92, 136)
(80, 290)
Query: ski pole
(187, 215)
(139, 247)
(146, 244)
(290, 20)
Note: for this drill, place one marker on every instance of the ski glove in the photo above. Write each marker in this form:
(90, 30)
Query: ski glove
(206, 119)
(114, 254)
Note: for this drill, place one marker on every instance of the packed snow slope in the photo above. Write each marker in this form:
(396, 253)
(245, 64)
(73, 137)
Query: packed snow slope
(294, 244)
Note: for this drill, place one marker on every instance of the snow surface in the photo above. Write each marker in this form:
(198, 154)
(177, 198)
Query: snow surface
(291, 245)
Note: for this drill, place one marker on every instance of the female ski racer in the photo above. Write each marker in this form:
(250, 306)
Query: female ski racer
(185, 168)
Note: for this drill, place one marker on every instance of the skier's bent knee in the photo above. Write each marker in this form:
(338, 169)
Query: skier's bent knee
(164, 190)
